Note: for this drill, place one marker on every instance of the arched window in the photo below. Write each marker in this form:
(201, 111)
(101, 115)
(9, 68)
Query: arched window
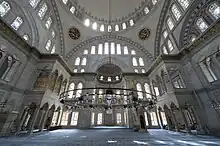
(184, 3)
(42, 11)
(136, 70)
(17, 23)
(201, 24)
(214, 10)
(53, 49)
(100, 49)
(143, 71)
(53, 79)
(93, 50)
(82, 70)
(106, 49)
(65, 116)
(118, 118)
(165, 50)
(153, 117)
(8, 68)
(53, 33)
(99, 119)
(79, 91)
(109, 28)
(170, 46)
(134, 62)
(74, 119)
(146, 118)
(116, 27)
(193, 38)
(154, 2)
(87, 22)
(93, 118)
(84, 61)
(112, 48)
(124, 26)
(86, 52)
(34, 3)
(176, 12)
(147, 90)
(4, 8)
(94, 26)
(170, 23)
(77, 61)
(133, 52)
(155, 89)
(119, 49)
(72, 9)
(48, 44)
(102, 28)
(207, 70)
(125, 50)
(48, 22)
(65, 1)
(26, 37)
(94, 95)
(75, 70)
(139, 88)
(63, 86)
(100, 96)
(160, 85)
(146, 10)
(164, 79)
(141, 61)
(131, 22)
(165, 34)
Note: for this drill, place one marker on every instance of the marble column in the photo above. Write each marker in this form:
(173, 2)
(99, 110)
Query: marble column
(160, 118)
(185, 121)
(42, 112)
(174, 120)
(44, 120)
(33, 120)
(23, 119)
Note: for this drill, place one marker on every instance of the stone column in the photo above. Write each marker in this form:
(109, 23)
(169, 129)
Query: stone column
(44, 120)
(160, 118)
(33, 120)
(23, 119)
(174, 120)
(70, 118)
(41, 118)
(185, 121)
(57, 120)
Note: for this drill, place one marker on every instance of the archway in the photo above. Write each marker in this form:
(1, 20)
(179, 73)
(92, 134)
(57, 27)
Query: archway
(170, 122)
(49, 117)
(41, 116)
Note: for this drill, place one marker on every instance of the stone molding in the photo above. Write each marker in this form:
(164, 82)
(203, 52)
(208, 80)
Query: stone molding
(106, 37)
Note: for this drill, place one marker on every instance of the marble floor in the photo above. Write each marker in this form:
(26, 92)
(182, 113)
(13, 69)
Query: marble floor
(110, 137)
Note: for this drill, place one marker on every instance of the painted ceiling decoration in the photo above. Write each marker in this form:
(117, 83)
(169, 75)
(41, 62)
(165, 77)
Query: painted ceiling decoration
(74, 33)
(144, 34)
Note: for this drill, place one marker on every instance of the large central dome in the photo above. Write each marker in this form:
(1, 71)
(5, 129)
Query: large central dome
(119, 8)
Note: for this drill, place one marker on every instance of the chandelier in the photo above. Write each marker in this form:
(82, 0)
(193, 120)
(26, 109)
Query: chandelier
(127, 98)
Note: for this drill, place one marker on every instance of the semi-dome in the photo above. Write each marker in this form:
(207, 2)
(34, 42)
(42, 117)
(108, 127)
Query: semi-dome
(100, 8)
